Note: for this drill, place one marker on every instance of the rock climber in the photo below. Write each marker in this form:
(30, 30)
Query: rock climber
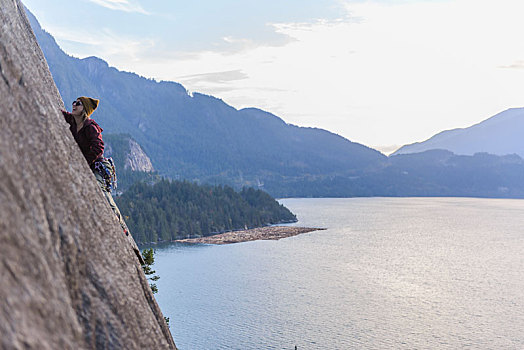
(88, 136)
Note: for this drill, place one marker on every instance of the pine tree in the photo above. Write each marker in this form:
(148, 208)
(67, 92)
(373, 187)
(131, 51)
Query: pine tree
(149, 260)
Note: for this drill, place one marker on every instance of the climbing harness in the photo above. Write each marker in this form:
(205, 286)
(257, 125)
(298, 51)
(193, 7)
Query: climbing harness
(105, 167)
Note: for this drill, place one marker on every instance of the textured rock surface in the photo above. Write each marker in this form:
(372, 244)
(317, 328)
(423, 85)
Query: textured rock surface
(134, 157)
(137, 160)
(68, 278)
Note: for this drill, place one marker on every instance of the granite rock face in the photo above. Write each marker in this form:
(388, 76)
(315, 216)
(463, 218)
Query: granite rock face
(69, 279)
(137, 160)
(134, 157)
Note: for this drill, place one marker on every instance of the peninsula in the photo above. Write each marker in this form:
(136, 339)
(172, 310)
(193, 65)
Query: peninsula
(261, 233)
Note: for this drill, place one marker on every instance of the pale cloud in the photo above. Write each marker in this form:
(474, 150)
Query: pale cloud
(108, 45)
(515, 65)
(382, 74)
(215, 83)
(121, 5)
(215, 77)
(231, 45)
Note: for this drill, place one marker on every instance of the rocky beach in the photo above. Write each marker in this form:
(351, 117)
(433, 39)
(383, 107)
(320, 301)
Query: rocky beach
(261, 233)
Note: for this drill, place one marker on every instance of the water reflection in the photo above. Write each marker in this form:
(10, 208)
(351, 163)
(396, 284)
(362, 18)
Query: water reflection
(388, 273)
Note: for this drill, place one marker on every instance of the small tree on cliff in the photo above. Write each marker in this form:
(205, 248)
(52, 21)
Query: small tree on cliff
(149, 260)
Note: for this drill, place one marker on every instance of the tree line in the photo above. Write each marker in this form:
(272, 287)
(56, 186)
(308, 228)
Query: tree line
(169, 210)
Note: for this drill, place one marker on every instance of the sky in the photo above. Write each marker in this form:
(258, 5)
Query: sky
(383, 73)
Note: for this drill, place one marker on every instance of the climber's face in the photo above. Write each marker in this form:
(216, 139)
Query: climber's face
(77, 108)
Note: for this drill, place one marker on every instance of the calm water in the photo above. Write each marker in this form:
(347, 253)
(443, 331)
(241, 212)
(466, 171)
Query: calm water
(438, 273)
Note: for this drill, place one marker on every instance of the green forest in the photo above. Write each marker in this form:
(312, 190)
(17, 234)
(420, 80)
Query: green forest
(169, 210)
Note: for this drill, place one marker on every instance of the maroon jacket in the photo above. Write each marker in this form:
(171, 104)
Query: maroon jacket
(89, 138)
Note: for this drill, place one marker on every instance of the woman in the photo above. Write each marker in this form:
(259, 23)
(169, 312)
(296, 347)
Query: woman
(88, 135)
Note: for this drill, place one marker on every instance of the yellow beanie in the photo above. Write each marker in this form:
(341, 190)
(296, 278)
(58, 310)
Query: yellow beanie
(89, 104)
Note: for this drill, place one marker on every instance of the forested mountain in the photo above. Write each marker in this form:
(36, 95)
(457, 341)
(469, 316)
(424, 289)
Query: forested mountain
(500, 135)
(199, 137)
(432, 173)
(170, 210)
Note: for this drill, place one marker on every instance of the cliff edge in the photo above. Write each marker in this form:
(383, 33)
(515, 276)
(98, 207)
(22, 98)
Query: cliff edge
(69, 279)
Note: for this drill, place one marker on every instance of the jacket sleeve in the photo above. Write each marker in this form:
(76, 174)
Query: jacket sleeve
(68, 117)
(96, 145)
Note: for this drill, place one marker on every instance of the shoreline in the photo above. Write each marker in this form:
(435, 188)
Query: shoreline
(254, 234)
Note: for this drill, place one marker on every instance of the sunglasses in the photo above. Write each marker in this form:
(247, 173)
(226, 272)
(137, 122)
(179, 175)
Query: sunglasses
(77, 103)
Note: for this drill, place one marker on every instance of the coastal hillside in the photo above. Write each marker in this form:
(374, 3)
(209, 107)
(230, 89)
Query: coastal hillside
(199, 137)
(69, 278)
(434, 173)
(500, 135)
(171, 210)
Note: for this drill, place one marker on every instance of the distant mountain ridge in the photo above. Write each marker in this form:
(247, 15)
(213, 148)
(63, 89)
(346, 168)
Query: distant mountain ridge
(500, 135)
(199, 137)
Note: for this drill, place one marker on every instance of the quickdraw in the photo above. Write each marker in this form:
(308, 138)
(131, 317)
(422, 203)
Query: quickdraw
(106, 168)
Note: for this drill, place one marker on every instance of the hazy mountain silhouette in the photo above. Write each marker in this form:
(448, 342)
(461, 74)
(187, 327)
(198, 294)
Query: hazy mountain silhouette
(434, 173)
(501, 134)
(199, 137)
